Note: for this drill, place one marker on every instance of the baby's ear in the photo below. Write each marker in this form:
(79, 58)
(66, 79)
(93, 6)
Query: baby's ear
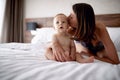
(71, 31)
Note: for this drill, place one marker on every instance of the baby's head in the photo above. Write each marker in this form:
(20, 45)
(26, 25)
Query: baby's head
(60, 22)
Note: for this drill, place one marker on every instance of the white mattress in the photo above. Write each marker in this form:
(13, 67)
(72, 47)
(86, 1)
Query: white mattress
(27, 62)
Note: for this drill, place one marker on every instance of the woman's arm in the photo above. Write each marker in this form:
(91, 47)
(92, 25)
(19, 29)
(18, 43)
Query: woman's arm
(105, 59)
(58, 51)
(110, 51)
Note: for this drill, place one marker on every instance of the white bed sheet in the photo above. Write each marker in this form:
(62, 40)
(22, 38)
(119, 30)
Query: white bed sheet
(20, 61)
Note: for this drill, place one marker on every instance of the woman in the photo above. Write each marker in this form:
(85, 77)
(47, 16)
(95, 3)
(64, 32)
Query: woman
(62, 38)
(91, 37)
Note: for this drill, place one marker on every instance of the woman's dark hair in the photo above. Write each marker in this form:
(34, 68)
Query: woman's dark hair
(86, 22)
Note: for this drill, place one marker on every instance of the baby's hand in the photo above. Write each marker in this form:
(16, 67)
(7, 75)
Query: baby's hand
(71, 30)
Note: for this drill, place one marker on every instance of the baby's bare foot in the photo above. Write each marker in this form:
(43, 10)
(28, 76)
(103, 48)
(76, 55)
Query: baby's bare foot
(90, 59)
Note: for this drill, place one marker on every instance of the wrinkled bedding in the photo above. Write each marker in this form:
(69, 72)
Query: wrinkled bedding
(20, 61)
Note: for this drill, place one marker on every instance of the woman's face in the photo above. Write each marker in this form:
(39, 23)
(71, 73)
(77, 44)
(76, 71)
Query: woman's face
(72, 19)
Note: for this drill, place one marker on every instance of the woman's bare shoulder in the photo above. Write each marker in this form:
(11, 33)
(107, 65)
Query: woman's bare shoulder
(100, 25)
(100, 28)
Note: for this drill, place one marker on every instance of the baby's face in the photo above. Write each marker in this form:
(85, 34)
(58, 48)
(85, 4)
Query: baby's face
(61, 23)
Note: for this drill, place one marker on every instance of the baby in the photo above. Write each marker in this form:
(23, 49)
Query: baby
(63, 39)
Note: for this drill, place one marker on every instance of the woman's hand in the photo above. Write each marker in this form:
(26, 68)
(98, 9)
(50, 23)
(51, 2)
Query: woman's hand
(60, 54)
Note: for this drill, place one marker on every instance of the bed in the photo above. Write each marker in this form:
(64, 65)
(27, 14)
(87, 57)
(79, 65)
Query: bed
(26, 61)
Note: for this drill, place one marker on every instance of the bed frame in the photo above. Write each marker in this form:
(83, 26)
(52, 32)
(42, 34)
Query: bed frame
(110, 20)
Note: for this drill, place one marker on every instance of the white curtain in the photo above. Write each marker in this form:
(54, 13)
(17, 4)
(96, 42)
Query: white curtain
(2, 11)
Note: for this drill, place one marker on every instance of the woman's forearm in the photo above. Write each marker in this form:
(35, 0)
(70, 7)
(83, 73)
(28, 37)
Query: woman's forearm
(106, 60)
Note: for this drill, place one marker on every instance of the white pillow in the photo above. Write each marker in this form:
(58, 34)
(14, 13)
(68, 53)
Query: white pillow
(118, 55)
(114, 33)
(43, 35)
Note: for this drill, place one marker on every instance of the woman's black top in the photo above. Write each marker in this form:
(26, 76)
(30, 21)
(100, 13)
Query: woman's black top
(94, 49)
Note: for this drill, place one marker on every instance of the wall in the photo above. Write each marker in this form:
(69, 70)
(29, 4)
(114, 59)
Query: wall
(2, 10)
(48, 8)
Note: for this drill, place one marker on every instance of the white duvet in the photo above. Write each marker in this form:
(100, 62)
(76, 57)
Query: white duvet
(27, 62)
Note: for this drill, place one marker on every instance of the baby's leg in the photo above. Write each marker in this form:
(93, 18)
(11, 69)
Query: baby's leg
(49, 54)
(80, 59)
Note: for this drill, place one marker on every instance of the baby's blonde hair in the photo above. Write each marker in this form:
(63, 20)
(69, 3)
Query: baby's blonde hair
(60, 14)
